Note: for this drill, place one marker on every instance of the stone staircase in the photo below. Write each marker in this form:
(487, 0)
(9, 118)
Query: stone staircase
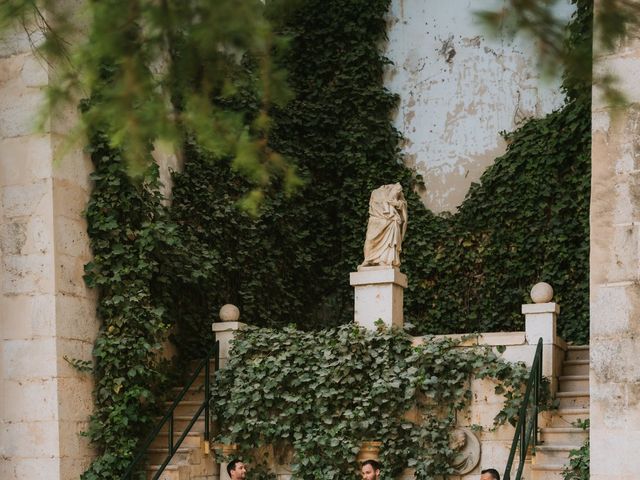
(558, 433)
(192, 460)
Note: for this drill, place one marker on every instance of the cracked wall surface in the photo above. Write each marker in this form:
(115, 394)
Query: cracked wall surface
(458, 90)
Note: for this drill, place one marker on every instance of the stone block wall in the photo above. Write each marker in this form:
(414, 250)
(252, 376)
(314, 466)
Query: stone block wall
(46, 311)
(615, 273)
(486, 404)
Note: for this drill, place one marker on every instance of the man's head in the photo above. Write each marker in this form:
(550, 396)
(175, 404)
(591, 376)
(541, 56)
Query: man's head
(370, 470)
(236, 470)
(489, 474)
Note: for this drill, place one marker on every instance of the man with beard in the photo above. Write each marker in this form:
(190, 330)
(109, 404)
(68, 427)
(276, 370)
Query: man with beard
(371, 470)
(236, 470)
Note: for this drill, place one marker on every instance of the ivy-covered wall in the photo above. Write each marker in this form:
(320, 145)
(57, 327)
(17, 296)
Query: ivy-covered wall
(317, 395)
(526, 221)
(159, 267)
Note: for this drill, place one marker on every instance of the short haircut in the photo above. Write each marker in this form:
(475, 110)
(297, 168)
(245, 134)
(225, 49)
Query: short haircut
(231, 466)
(376, 465)
(493, 472)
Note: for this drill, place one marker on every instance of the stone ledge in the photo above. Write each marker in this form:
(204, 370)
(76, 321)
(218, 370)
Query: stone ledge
(377, 275)
(227, 326)
(489, 338)
(550, 307)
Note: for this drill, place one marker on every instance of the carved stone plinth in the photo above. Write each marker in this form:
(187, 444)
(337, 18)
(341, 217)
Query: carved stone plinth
(378, 295)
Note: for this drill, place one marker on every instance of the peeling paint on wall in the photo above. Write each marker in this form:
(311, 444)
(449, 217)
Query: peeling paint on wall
(458, 90)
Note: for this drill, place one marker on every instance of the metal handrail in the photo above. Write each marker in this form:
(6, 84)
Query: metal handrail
(527, 429)
(169, 417)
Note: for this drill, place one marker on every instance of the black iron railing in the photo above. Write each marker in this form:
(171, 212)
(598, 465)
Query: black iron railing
(170, 415)
(527, 427)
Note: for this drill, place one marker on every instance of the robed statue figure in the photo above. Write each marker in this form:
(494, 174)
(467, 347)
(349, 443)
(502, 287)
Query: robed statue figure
(386, 228)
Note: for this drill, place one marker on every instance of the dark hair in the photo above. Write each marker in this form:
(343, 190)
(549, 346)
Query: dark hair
(493, 472)
(374, 464)
(231, 466)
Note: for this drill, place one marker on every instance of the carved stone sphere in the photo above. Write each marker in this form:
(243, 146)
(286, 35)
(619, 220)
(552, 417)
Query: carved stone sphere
(541, 293)
(229, 313)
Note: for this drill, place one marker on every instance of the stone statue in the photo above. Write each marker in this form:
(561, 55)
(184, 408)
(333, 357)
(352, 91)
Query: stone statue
(387, 226)
(467, 448)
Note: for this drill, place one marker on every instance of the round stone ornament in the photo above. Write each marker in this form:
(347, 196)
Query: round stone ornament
(229, 313)
(467, 447)
(541, 293)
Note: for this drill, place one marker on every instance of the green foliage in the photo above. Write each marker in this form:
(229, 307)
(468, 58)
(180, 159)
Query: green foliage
(324, 392)
(526, 221)
(578, 468)
(293, 261)
(127, 230)
(171, 57)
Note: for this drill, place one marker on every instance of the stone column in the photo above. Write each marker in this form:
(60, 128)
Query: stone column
(46, 311)
(378, 296)
(614, 381)
(226, 329)
(540, 322)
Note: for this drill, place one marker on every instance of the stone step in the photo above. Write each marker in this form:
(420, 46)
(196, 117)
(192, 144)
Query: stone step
(180, 422)
(171, 472)
(197, 463)
(190, 461)
(195, 392)
(577, 352)
(575, 367)
(566, 417)
(554, 436)
(156, 456)
(573, 399)
(573, 383)
(193, 439)
(547, 472)
(200, 379)
(184, 408)
(553, 454)
(194, 364)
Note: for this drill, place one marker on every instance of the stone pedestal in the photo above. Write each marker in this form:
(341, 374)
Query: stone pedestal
(378, 296)
(540, 322)
(225, 331)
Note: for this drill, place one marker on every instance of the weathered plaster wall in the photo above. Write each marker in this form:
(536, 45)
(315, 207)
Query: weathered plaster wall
(46, 312)
(458, 90)
(615, 275)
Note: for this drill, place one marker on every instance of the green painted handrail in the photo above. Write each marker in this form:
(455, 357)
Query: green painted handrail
(169, 417)
(527, 428)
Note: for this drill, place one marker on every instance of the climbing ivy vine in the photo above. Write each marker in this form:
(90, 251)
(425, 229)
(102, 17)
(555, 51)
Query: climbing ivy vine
(579, 458)
(322, 393)
(128, 231)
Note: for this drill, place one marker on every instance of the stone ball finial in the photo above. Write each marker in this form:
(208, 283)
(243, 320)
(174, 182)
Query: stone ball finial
(542, 293)
(229, 313)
